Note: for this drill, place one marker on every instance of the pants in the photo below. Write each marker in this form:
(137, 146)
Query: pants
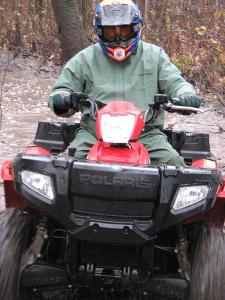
(155, 141)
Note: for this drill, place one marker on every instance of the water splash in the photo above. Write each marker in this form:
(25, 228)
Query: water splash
(208, 270)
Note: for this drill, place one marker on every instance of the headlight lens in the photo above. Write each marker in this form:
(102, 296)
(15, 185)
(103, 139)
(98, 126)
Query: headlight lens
(40, 183)
(189, 195)
(117, 129)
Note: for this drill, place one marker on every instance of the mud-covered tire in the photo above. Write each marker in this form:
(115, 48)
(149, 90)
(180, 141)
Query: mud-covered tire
(208, 267)
(16, 227)
(26, 295)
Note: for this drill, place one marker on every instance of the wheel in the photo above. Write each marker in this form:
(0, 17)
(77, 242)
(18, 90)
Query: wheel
(16, 226)
(208, 267)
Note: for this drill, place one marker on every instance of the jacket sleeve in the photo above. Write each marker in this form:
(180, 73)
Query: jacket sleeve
(170, 80)
(71, 80)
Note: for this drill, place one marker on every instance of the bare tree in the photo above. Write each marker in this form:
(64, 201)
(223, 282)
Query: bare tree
(70, 27)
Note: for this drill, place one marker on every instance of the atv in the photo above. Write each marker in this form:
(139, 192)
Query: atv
(113, 224)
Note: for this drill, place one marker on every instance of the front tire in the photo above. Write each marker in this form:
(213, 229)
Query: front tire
(16, 227)
(208, 267)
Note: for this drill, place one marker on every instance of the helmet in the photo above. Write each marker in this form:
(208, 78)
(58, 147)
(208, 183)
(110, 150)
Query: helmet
(118, 26)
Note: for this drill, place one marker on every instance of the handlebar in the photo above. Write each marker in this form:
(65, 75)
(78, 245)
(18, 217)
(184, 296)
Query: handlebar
(160, 101)
(81, 98)
(171, 107)
(165, 102)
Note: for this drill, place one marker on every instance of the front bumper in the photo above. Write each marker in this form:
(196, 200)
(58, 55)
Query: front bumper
(114, 203)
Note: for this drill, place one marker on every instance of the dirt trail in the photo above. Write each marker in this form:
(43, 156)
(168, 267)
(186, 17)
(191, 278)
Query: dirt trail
(27, 84)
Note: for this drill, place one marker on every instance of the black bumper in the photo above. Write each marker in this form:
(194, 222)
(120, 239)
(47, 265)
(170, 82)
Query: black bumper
(113, 203)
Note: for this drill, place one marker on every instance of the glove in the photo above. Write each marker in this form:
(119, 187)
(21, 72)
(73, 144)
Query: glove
(64, 100)
(187, 100)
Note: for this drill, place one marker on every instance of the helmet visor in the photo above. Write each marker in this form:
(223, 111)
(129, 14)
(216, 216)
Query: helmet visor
(116, 14)
(118, 33)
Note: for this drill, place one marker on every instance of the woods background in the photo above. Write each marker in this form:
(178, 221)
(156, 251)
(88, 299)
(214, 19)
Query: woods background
(191, 32)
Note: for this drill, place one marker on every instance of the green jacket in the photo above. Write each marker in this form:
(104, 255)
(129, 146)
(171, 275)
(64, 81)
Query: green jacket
(137, 79)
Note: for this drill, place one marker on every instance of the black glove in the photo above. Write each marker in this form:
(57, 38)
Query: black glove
(64, 100)
(187, 100)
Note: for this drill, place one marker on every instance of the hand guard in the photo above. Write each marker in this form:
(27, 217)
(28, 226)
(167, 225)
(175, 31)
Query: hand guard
(187, 100)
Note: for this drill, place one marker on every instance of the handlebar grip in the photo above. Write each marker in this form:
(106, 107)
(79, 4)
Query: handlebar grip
(161, 99)
(171, 107)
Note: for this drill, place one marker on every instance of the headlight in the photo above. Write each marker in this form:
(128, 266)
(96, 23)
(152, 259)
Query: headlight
(117, 129)
(40, 183)
(189, 195)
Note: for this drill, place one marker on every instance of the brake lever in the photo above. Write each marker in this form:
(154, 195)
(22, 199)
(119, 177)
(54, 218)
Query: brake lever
(176, 108)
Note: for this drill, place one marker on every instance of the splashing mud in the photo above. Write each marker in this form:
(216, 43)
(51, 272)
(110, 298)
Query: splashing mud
(15, 228)
(208, 271)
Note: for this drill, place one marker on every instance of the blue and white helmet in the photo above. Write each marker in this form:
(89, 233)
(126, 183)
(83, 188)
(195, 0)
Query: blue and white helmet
(112, 13)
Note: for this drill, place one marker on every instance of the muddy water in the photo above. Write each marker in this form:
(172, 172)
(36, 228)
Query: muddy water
(26, 88)
(27, 84)
(22, 110)
(211, 121)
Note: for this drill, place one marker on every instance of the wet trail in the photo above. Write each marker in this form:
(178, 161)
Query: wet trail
(27, 84)
(24, 104)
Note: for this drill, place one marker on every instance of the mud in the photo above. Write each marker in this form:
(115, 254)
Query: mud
(26, 82)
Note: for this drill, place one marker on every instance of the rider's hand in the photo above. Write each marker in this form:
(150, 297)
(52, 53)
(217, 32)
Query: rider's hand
(76, 98)
(187, 100)
(64, 100)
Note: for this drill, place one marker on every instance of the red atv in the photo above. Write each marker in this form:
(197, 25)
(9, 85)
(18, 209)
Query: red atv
(113, 224)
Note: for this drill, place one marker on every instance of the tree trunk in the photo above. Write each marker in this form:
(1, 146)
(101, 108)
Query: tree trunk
(16, 8)
(70, 28)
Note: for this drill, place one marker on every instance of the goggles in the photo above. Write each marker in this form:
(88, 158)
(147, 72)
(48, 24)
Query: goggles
(117, 33)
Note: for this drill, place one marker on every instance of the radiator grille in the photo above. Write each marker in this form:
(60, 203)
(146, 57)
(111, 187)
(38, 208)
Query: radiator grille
(99, 207)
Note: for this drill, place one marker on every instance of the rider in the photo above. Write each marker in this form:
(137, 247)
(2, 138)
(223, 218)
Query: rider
(121, 67)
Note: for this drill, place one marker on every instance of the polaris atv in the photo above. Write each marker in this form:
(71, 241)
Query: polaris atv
(113, 223)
